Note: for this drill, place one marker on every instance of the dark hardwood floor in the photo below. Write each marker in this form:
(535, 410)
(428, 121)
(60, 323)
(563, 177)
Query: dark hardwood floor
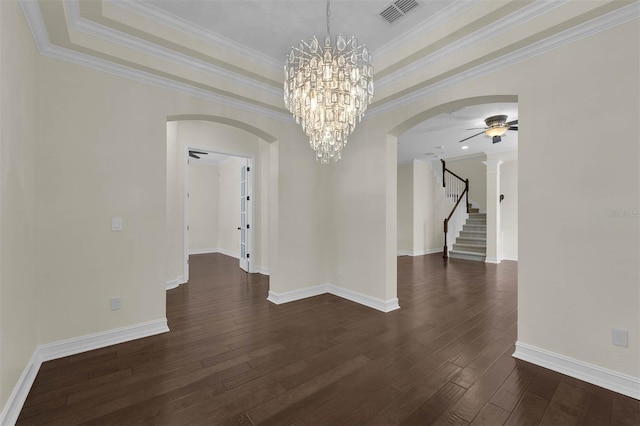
(232, 357)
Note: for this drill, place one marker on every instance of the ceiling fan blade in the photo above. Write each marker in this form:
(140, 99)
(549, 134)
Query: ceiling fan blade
(472, 136)
(497, 139)
(198, 152)
(514, 128)
(192, 155)
(511, 123)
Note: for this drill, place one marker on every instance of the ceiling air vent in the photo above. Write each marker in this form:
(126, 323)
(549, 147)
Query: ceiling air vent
(398, 9)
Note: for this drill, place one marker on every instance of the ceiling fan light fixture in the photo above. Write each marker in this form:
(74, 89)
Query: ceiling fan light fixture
(496, 125)
(496, 131)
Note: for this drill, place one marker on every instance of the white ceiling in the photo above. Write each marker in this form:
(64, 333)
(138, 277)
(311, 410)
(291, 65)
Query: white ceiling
(447, 129)
(273, 27)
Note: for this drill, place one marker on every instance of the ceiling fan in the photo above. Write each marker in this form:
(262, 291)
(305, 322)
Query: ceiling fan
(497, 126)
(196, 154)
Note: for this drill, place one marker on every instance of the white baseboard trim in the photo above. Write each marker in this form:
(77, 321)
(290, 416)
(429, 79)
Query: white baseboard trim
(203, 251)
(491, 260)
(513, 258)
(354, 296)
(102, 339)
(215, 250)
(363, 299)
(419, 252)
(175, 282)
(13, 406)
(62, 348)
(261, 270)
(433, 250)
(608, 379)
(229, 253)
(292, 296)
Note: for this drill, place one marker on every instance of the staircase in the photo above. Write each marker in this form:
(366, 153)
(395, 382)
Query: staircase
(472, 242)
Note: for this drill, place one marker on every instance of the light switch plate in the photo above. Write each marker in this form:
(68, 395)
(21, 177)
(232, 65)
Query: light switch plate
(620, 337)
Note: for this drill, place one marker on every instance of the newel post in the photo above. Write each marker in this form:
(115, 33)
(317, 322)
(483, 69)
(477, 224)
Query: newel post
(445, 252)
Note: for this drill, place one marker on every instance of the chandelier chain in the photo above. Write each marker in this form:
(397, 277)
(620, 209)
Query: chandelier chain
(328, 17)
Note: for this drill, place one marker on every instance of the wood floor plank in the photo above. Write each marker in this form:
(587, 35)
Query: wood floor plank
(490, 415)
(273, 408)
(484, 359)
(413, 398)
(514, 388)
(435, 405)
(625, 411)
(355, 390)
(481, 392)
(233, 358)
(529, 411)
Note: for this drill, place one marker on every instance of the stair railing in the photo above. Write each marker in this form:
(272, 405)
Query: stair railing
(455, 189)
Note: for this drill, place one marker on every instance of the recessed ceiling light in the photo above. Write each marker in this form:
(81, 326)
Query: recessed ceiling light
(464, 147)
(429, 153)
(439, 147)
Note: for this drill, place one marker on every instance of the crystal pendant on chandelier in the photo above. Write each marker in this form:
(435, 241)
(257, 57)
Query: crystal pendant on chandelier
(327, 88)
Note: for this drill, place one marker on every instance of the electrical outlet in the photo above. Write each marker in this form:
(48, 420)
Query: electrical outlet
(620, 337)
(116, 224)
(116, 303)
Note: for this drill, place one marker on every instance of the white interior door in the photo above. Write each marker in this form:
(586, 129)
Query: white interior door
(246, 200)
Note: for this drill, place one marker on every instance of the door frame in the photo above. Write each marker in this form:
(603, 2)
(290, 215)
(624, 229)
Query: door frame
(250, 219)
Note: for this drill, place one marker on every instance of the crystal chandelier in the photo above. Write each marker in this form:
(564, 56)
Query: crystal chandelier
(327, 88)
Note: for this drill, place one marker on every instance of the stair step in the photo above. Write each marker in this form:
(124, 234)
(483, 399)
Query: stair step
(470, 248)
(476, 228)
(456, 254)
(471, 240)
(474, 210)
(473, 234)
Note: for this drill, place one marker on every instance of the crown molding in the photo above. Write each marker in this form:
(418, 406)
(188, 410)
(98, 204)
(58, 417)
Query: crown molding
(36, 24)
(78, 23)
(594, 26)
(160, 16)
(440, 18)
(494, 30)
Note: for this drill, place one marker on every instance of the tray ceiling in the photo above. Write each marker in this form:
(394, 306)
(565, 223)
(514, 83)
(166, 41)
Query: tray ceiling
(232, 51)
